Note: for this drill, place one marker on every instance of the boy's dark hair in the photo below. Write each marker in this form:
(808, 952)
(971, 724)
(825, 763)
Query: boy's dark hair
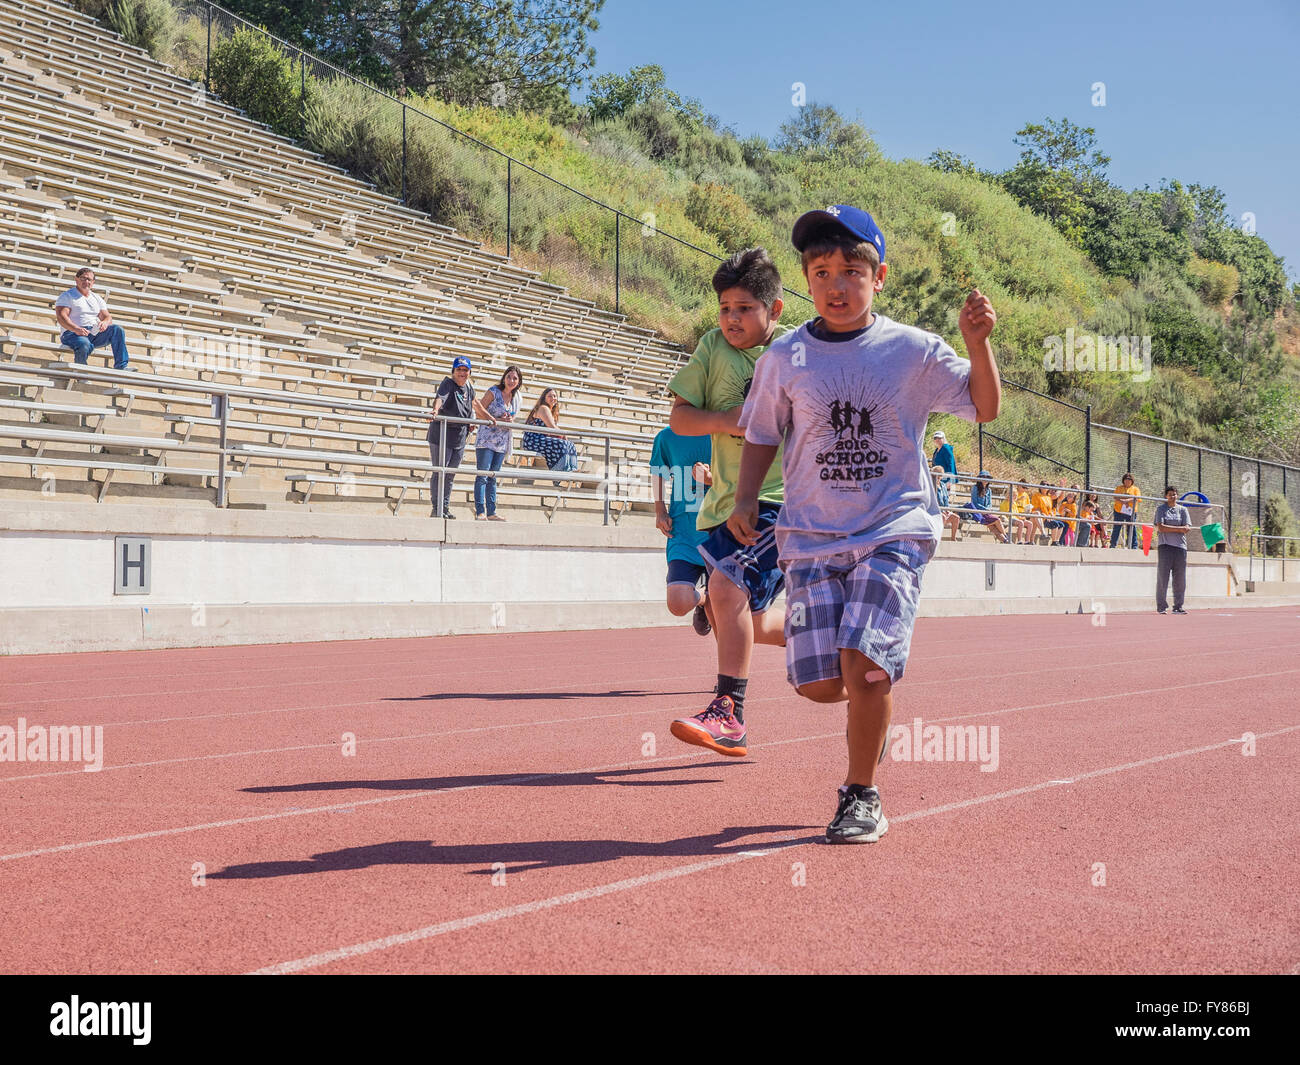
(1170, 488)
(830, 239)
(752, 270)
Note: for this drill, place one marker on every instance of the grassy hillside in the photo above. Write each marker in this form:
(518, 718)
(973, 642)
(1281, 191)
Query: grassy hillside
(1226, 349)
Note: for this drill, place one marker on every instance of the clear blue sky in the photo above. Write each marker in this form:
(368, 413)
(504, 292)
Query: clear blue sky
(1205, 93)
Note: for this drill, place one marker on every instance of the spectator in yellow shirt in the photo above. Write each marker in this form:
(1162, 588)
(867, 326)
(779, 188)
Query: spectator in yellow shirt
(1125, 511)
(1068, 509)
(1026, 529)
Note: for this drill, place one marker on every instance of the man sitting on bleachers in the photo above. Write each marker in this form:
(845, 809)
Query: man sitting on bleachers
(86, 322)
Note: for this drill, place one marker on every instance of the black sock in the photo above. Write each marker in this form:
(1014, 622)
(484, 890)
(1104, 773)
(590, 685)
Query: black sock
(735, 687)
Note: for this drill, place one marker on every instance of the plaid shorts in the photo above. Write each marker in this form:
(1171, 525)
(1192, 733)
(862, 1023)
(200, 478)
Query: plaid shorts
(864, 600)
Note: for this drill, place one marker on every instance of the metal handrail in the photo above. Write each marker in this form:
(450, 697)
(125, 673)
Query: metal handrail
(221, 395)
(1265, 556)
(1008, 484)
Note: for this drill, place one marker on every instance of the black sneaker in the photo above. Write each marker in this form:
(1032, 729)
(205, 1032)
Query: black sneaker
(860, 817)
(700, 621)
(1161, 611)
(1179, 610)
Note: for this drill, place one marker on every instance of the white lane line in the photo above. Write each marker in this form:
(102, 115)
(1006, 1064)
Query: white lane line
(78, 772)
(343, 953)
(14, 704)
(443, 928)
(912, 685)
(349, 806)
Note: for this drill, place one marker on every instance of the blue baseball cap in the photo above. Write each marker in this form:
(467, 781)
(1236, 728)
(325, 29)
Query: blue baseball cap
(854, 219)
(460, 361)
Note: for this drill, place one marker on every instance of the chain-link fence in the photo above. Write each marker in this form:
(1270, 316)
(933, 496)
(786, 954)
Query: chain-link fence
(1035, 438)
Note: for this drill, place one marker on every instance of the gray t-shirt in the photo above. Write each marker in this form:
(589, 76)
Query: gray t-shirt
(852, 414)
(1175, 515)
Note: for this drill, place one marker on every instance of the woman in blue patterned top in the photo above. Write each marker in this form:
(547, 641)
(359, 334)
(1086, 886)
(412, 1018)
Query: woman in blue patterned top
(558, 452)
(494, 442)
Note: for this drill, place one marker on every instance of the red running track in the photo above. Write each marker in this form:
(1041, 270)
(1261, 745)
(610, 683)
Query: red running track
(500, 813)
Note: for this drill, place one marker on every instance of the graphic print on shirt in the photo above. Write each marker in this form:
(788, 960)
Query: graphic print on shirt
(855, 428)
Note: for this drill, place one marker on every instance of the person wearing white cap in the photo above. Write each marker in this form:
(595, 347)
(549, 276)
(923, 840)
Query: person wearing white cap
(943, 455)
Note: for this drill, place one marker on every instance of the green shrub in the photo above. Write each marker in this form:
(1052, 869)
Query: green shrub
(147, 24)
(1279, 520)
(1215, 283)
(718, 210)
(249, 72)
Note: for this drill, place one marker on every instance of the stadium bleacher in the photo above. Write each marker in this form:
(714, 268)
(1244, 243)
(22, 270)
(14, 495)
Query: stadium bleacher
(232, 256)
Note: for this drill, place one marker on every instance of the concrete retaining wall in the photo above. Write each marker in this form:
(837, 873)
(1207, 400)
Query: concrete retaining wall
(228, 577)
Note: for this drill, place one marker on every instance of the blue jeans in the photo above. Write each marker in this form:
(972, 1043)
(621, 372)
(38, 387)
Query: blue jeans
(82, 346)
(1131, 533)
(485, 488)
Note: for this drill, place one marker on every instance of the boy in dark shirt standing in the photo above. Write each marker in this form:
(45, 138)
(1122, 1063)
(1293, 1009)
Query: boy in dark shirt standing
(861, 518)
(454, 399)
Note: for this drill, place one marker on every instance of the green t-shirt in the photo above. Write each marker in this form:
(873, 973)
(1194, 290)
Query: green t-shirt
(717, 378)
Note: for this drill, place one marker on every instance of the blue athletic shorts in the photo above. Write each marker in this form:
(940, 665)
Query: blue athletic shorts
(753, 568)
(682, 572)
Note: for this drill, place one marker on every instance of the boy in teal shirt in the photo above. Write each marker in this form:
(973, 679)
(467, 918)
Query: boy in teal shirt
(678, 496)
(743, 579)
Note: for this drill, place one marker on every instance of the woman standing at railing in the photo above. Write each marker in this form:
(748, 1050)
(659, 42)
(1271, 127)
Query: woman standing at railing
(493, 444)
(1125, 511)
(559, 453)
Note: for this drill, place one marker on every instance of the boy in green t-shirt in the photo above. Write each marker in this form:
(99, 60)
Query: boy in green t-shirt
(743, 581)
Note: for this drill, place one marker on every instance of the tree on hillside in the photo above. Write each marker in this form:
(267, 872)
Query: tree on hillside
(953, 163)
(614, 95)
(525, 53)
(1059, 164)
(819, 132)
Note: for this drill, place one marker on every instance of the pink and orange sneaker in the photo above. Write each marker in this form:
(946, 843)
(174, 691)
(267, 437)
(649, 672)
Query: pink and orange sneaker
(716, 729)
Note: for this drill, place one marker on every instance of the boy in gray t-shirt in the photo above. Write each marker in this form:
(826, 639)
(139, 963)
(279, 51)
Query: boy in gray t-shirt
(1172, 521)
(849, 394)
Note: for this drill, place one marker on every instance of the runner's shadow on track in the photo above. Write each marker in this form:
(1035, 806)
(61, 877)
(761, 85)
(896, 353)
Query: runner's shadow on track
(526, 780)
(523, 856)
(508, 697)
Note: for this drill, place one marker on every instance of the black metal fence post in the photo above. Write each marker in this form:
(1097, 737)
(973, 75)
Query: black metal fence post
(980, 432)
(302, 94)
(1259, 494)
(1087, 449)
(1166, 463)
(509, 160)
(207, 55)
(1199, 453)
(1230, 495)
(617, 218)
(403, 155)
(1128, 465)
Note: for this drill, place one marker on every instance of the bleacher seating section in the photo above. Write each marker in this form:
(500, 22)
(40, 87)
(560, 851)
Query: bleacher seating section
(199, 220)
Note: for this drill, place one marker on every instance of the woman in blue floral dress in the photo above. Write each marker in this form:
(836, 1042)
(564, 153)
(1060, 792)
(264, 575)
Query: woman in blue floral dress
(559, 453)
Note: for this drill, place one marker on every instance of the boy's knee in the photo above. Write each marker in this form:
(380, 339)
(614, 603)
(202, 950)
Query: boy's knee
(724, 591)
(824, 691)
(682, 599)
(861, 672)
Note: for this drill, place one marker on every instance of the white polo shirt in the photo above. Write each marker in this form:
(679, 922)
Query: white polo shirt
(83, 311)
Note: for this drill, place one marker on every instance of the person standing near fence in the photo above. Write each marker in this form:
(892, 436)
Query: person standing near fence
(454, 399)
(1173, 521)
(1125, 511)
(492, 443)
